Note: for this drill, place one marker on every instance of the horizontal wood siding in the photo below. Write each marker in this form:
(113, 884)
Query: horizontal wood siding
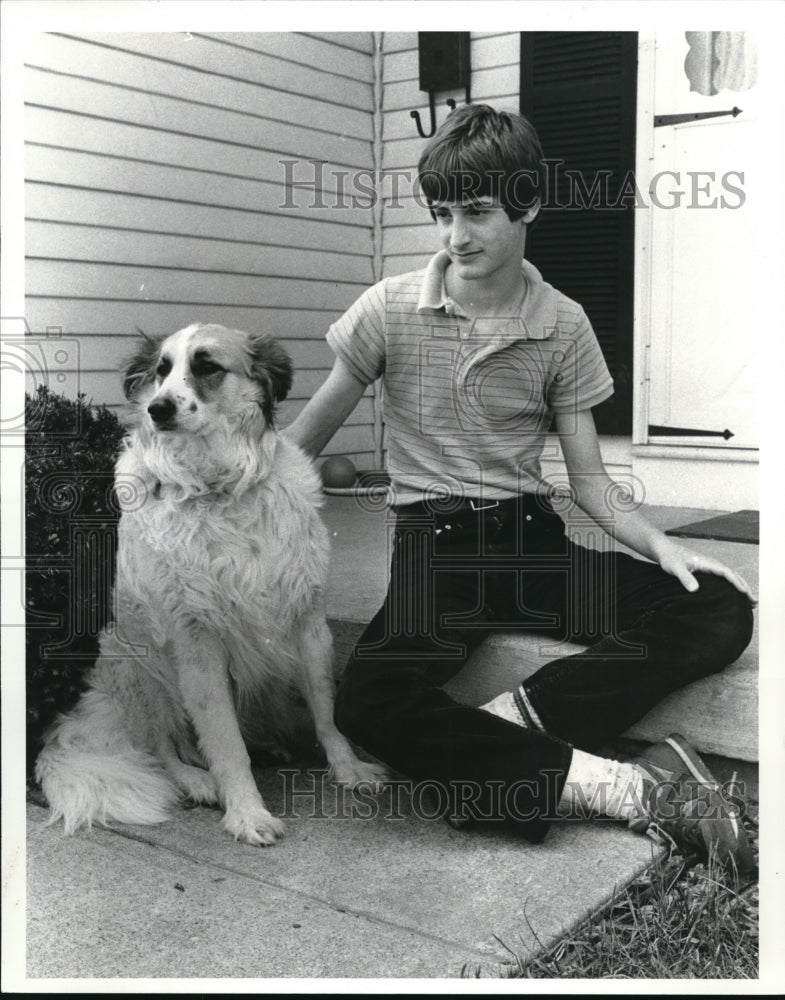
(156, 194)
(408, 235)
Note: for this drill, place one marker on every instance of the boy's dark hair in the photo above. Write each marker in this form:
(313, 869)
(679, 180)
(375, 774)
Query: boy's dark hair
(481, 152)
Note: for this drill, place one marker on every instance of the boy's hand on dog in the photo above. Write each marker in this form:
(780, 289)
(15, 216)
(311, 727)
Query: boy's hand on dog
(682, 563)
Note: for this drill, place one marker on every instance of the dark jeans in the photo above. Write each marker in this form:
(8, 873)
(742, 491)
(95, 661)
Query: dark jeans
(457, 575)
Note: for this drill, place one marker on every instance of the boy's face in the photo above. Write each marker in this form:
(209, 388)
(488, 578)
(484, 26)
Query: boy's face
(479, 236)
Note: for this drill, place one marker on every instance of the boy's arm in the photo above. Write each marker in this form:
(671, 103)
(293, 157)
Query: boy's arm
(327, 410)
(594, 491)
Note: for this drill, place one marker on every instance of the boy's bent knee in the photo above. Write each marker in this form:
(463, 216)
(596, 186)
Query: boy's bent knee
(731, 617)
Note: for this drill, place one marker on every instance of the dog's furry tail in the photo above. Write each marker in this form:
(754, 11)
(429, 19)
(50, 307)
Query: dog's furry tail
(91, 773)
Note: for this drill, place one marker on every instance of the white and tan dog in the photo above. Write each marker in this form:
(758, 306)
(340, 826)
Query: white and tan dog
(219, 597)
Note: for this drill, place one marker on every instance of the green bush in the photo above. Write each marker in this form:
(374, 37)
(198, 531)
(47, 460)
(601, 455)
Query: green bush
(71, 520)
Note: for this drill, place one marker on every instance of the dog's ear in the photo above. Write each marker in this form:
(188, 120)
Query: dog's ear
(272, 367)
(140, 368)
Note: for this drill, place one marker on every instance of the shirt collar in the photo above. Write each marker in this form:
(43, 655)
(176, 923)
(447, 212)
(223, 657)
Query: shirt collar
(538, 309)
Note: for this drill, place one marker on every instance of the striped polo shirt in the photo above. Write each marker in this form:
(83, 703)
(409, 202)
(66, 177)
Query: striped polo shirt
(467, 402)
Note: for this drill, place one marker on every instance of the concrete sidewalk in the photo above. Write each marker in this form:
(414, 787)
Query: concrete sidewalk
(355, 890)
(390, 896)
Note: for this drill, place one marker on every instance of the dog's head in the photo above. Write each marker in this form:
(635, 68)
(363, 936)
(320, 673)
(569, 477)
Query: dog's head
(204, 375)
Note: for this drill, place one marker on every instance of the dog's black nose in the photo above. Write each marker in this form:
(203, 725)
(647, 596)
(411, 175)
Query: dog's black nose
(162, 410)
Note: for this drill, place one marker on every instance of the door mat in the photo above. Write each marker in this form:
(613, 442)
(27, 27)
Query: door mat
(741, 526)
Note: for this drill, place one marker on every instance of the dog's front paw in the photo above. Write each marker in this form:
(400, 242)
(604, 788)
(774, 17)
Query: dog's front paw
(253, 826)
(358, 772)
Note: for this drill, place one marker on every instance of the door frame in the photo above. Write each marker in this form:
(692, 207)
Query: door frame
(642, 267)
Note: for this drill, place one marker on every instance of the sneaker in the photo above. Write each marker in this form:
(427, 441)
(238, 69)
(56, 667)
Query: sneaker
(685, 805)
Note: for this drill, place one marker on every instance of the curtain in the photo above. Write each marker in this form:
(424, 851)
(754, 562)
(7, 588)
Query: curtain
(720, 60)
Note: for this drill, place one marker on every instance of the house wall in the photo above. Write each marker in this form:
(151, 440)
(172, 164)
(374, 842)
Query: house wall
(408, 234)
(155, 194)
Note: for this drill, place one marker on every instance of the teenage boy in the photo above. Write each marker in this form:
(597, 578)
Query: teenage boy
(477, 356)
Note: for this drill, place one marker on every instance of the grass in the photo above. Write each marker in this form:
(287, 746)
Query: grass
(683, 918)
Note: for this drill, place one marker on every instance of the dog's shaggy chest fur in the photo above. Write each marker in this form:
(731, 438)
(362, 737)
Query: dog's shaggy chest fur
(245, 568)
(219, 599)
(236, 562)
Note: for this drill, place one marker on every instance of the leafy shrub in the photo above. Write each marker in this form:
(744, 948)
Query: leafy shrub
(71, 539)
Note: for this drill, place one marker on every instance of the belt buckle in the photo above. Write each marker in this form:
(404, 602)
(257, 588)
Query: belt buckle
(483, 506)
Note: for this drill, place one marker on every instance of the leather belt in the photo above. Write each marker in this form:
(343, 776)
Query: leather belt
(471, 506)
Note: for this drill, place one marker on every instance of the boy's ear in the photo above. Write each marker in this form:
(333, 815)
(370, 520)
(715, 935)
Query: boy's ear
(139, 369)
(532, 212)
(271, 366)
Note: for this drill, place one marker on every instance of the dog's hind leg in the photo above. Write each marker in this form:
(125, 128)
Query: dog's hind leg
(202, 667)
(317, 680)
(195, 783)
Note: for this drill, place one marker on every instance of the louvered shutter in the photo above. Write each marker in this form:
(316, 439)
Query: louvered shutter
(579, 90)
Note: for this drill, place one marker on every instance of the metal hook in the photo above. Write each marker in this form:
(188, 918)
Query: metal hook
(451, 104)
(416, 116)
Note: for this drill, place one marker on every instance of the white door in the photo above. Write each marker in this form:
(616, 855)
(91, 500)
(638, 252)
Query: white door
(706, 210)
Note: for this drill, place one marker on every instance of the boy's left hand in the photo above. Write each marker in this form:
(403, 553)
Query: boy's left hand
(682, 562)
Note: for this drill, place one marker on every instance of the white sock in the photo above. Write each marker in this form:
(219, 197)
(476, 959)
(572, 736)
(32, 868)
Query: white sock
(504, 706)
(515, 706)
(599, 786)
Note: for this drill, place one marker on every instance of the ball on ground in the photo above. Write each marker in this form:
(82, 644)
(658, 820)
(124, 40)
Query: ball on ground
(338, 472)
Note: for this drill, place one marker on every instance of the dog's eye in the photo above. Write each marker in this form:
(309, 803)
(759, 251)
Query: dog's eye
(164, 367)
(203, 366)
